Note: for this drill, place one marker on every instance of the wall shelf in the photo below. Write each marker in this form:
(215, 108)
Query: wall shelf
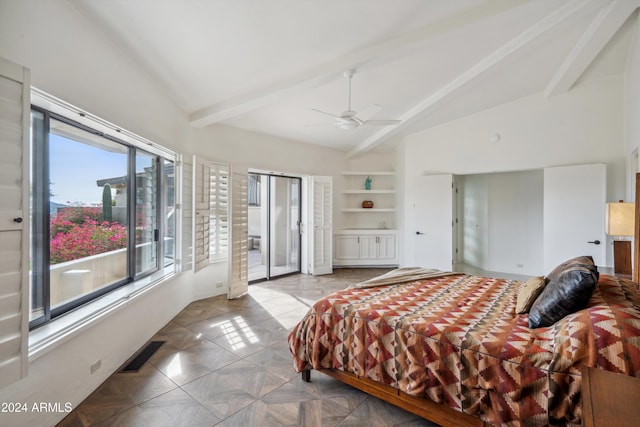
(365, 173)
(382, 193)
(369, 192)
(363, 210)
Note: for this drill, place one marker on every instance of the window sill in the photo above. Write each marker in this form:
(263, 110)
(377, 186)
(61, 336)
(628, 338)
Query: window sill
(58, 331)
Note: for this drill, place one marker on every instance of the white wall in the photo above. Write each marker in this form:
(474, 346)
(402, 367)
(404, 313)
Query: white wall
(632, 105)
(582, 126)
(502, 219)
(473, 219)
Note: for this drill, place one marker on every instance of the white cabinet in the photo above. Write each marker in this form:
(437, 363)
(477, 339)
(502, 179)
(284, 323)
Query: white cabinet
(365, 248)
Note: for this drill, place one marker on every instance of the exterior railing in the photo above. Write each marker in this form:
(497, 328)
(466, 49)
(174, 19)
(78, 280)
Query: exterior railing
(69, 280)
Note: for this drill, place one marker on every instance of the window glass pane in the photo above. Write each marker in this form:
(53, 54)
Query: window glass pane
(146, 216)
(257, 239)
(88, 212)
(36, 250)
(284, 234)
(169, 209)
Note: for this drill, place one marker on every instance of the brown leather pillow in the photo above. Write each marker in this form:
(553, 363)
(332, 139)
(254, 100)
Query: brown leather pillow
(569, 288)
(528, 294)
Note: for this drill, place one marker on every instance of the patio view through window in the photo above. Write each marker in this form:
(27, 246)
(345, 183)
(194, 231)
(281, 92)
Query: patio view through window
(103, 215)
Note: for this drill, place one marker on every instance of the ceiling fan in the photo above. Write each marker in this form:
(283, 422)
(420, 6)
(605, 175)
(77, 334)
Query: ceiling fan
(350, 119)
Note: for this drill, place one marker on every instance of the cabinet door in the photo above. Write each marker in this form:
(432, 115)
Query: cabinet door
(386, 248)
(347, 247)
(368, 247)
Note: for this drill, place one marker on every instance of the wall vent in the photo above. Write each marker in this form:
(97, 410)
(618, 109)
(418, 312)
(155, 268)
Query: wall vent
(142, 357)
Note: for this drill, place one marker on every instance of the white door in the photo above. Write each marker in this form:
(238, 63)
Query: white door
(14, 221)
(574, 213)
(431, 222)
(321, 225)
(239, 239)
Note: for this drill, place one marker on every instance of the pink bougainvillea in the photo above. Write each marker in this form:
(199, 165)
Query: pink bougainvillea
(78, 233)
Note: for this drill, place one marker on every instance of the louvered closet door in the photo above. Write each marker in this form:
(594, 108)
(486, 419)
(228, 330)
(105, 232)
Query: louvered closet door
(321, 225)
(239, 262)
(14, 221)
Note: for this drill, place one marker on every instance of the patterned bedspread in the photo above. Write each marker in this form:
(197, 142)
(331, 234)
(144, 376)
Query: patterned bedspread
(457, 340)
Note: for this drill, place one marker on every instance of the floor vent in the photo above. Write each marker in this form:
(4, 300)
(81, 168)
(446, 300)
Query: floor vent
(141, 358)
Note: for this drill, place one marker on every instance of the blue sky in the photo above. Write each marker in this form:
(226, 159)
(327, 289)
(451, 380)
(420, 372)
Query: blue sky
(75, 168)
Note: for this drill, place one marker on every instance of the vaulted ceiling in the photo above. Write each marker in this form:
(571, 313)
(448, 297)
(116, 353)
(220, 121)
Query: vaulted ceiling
(267, 66)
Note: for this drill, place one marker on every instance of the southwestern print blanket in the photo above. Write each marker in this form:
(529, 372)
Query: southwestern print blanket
(457, 340)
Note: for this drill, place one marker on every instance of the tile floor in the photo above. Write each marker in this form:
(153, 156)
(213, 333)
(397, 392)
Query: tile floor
(227, 363)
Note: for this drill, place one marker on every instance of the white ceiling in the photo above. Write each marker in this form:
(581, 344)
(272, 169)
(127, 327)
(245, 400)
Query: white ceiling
(263, 65)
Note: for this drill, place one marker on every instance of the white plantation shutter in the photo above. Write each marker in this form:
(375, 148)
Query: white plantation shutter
(14, 221)
(211, 213)
(186, 191)
(219, 222)
(321, 225)
(239, 262)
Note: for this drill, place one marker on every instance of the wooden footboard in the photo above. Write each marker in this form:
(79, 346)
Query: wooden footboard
(435, 412)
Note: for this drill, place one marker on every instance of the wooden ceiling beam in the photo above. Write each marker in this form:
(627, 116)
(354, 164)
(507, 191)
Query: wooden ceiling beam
(603, 27)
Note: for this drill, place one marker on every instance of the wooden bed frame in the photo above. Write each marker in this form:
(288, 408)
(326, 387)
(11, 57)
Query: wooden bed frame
(438, 413)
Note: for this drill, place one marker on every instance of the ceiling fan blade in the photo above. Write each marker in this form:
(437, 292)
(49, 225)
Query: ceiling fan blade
(382, 122)
(324, 112)
(368, 112)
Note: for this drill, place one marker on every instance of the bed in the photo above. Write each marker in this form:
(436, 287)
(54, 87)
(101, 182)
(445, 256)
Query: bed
(451, 348)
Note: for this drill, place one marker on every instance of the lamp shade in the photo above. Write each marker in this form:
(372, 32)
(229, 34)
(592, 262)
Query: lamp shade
(620, 219)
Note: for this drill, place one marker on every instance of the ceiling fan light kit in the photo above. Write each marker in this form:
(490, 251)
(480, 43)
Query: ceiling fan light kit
(347, 125)
(349, 119)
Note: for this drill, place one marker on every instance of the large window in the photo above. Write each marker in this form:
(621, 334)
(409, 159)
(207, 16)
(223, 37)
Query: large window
(103, 214)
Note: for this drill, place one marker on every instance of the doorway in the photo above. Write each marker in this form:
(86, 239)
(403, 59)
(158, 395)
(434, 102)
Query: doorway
(274, 226)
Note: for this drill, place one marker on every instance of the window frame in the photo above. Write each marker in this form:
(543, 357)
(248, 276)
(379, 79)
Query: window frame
(52, 108)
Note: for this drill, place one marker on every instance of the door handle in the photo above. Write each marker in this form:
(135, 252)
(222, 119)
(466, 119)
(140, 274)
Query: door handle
(595, 242)
(419, 232)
